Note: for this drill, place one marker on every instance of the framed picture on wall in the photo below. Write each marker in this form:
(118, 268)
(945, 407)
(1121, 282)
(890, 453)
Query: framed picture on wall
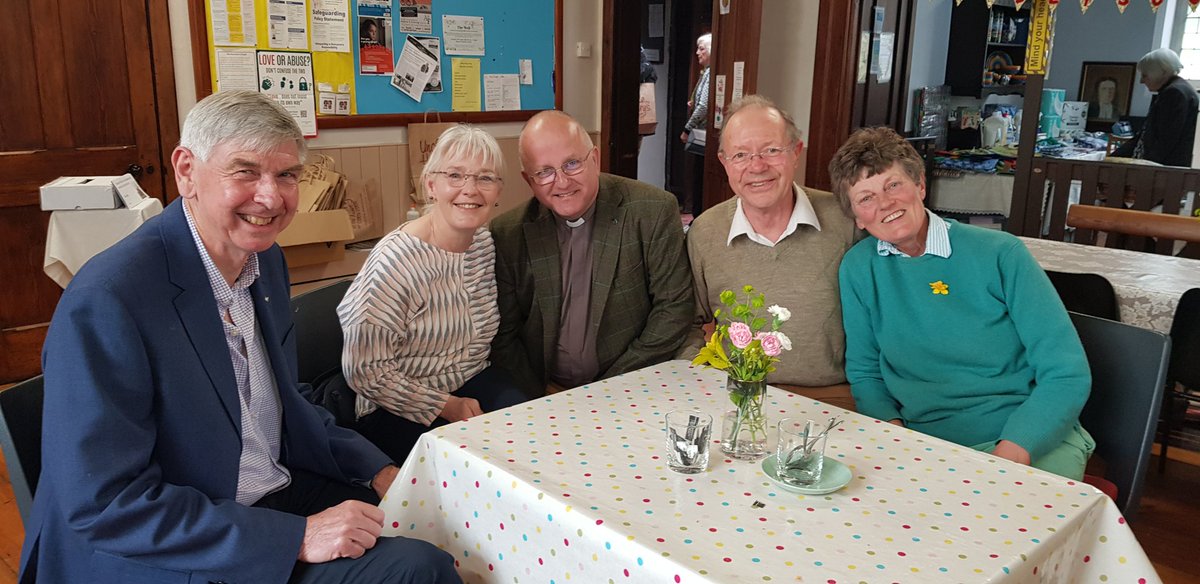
(1108, 89)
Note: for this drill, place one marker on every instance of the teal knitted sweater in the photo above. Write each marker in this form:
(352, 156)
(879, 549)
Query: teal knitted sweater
(994, 357)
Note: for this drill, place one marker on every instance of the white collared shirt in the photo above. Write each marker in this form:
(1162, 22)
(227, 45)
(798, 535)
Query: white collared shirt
(937, 239)
(802, 214)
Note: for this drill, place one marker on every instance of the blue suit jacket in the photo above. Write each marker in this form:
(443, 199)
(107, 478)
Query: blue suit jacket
(142, 425)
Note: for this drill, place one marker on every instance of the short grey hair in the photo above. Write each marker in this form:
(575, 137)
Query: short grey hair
(248, 118)
(538, 119)
(759, 101)
(1159, 65)
(460, 143)
(706, 40)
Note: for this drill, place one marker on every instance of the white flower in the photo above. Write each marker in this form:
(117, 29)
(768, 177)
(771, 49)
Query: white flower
(780, 313)
(783, 339)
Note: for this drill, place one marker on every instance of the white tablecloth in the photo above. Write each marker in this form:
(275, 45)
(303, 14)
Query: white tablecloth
(73, 237)
(574, 487)
(989, 194)
(1148, 286)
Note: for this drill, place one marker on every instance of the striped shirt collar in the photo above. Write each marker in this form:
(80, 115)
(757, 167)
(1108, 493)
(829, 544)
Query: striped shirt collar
(802, 213)
(221, 289)
(937, 240)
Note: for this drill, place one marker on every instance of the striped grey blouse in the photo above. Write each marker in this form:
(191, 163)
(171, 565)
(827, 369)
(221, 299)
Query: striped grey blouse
(418, 322)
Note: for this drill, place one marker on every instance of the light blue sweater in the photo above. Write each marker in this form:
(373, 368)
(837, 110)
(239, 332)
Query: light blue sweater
(994, 358)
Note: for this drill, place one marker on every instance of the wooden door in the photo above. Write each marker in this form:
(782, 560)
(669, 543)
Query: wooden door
(88, 90)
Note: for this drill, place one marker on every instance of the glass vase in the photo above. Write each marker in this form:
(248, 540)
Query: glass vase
(744, 430)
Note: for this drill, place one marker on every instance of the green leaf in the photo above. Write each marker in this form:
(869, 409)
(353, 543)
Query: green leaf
(757, 324)
(728, 298)
(757, 301)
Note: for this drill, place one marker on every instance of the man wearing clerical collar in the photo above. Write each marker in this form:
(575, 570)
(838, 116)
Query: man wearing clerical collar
(784, 240)
(592, 274)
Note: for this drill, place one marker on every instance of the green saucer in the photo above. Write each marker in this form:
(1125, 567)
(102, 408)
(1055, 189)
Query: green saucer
(834, 475)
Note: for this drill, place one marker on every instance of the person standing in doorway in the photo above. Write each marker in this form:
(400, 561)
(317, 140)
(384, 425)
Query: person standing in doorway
(692, 199)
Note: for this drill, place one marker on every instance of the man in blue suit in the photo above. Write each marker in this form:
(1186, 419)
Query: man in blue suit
(176, 447)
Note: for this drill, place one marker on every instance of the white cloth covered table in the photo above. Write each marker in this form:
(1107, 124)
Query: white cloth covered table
(574, 487)
(988, 194)
(73, 237)
(1148, 286)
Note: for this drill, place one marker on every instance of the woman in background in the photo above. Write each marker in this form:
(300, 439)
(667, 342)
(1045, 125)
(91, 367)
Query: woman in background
(1169, 131)
(420, 316)
(953, 330)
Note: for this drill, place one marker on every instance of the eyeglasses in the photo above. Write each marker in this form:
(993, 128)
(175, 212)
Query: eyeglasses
(483, 182)
(548, 175)
(740, 159)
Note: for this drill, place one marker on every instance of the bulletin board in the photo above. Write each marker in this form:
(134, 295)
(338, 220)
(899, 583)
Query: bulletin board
(513, 30)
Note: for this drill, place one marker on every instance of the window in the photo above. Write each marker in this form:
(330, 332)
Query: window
(1189, 47)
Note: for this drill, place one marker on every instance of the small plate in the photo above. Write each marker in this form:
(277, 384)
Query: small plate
(834, 475)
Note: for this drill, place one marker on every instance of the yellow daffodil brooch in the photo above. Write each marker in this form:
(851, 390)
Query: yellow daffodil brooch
(939, 287)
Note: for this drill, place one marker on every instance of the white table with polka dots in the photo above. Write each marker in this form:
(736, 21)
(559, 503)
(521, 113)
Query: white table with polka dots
(574, 487)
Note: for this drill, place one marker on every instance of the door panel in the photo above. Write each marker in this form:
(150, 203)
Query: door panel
(89, 108)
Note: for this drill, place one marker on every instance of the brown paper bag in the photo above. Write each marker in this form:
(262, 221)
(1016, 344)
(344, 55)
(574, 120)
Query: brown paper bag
(364, 203)
(647, 110)
(421, 138)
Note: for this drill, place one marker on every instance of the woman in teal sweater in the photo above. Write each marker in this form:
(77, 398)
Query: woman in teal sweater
(953, 330)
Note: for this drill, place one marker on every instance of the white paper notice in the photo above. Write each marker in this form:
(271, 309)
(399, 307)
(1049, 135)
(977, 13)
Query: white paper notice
(287, 78)
(526, 67)
(653, 55)
(887, 41)
(416, 16)
(864, 54)
(463, 34)
(331, 26)
(432, 46)
(654, 21)
(413, 69)
(501, 92)
(233, 23)
(719, 103)
(236, 69)
(724, 6)
(297, 27)
(739, 78)
(287, 24)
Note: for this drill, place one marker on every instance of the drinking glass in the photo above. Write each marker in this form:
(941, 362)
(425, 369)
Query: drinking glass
(800, 454)
(688, 437)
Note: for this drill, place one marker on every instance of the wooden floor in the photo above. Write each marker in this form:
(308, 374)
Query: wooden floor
(1168, 524)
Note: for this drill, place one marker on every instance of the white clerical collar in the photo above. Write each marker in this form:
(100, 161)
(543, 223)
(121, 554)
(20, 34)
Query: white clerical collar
(575, 222)
(802, 213)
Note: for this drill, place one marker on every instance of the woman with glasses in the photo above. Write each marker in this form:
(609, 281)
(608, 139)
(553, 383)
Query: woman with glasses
(420, 316)
(953, 330)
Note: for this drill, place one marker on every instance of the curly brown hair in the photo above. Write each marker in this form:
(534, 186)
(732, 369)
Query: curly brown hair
(868, 152)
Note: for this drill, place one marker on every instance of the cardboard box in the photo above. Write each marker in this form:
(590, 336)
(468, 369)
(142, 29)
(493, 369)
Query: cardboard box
(317, 237)
(80, 192)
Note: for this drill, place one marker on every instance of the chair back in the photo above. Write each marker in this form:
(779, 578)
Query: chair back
(1129, 366)
(318, 332)
(1185, 341)
(21, 440)
(1090, 294)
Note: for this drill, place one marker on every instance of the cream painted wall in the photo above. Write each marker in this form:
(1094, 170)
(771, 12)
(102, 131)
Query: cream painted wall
(582, 22)
(787, 48)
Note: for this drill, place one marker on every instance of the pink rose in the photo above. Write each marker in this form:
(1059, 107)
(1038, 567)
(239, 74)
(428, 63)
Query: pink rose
(771, 344)
(740, 335)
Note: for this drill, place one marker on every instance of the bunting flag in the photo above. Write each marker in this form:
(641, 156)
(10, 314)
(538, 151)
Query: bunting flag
(1019, 3)
(1154, 4)
(1193, 4)
(959, 3)
(1084, 5)
(1054, 4)
(1122, 5)
(989, 3)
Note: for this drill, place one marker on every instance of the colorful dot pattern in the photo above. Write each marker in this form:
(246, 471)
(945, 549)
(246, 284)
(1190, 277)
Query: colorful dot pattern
(574, 487)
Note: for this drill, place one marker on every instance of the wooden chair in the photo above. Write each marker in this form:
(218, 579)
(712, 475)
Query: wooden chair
(1129, 365)
(1183, 375)
(21, 440)
(1090, 294)
(1165, 228)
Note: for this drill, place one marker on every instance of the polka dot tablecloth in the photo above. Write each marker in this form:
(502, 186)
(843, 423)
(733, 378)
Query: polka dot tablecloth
(574, 487)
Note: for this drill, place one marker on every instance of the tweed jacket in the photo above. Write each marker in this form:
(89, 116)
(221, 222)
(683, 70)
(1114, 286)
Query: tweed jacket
(642, 302)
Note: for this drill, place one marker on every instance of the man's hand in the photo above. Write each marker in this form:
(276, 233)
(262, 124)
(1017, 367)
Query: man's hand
(1012, 451)
(347, 530)
(459, 408)
(383, 479)
(683, 137)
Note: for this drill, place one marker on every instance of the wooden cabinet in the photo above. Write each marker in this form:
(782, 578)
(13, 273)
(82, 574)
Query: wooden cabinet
(987, 49)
